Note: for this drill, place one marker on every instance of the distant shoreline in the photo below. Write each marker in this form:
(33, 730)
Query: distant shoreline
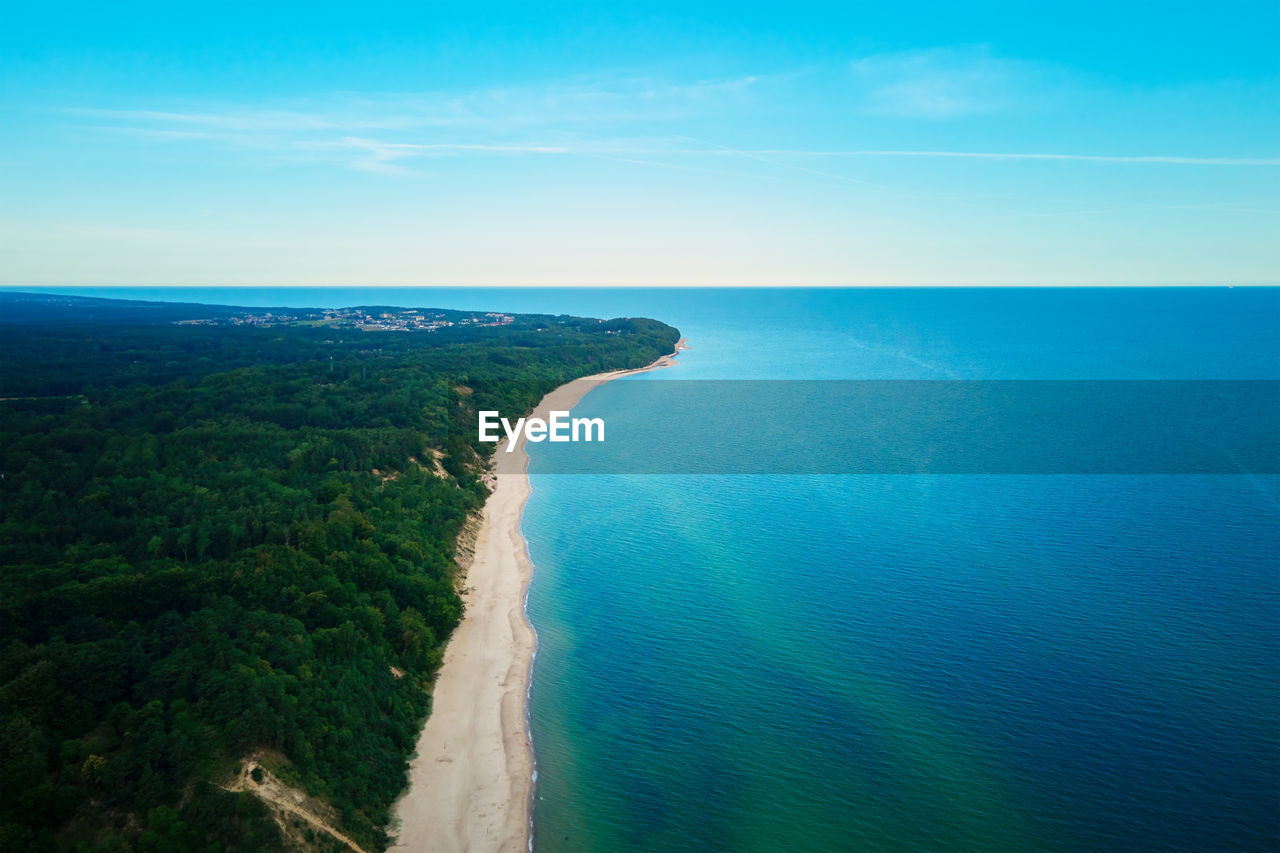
(472, 777)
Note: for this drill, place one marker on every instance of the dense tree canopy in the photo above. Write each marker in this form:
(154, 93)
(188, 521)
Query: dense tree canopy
(219, 540)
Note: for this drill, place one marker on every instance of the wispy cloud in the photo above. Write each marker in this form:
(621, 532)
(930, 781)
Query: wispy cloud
(377, 133)
(943, 83)
(614, 99)
(1021, 155)
(768, 157)
(381, 157)
(397, 134)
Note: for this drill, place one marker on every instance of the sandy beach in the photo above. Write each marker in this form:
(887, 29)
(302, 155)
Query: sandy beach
(471, 781)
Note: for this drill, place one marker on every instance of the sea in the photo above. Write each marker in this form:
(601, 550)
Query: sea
(821, 661)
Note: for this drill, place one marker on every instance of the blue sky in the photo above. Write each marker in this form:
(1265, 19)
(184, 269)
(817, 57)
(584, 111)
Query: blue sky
(906, 143)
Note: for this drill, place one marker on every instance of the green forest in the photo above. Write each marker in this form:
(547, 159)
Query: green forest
(219, 540)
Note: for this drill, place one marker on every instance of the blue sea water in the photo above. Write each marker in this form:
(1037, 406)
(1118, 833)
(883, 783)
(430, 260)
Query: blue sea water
(903, 662)
(917, 662)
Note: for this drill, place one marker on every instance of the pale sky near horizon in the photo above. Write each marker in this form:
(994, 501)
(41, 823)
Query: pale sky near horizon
(799, 143)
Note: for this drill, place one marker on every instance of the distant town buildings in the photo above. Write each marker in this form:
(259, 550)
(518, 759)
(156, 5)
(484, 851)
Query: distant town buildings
(404, 320)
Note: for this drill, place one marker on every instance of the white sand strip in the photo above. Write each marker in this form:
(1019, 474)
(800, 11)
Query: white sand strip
(471, 782)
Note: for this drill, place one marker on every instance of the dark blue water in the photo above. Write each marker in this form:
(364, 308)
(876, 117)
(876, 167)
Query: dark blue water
(904, 662)
(915, 662)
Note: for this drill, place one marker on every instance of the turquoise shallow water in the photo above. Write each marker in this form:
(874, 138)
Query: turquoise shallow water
(817, 663)
(916, 662)
(904, 662)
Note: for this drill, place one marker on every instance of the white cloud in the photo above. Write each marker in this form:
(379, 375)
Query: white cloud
(617, 99)
(376, 133)
(942, 83)
(1168, 159)
(394, 134)
(378, 156)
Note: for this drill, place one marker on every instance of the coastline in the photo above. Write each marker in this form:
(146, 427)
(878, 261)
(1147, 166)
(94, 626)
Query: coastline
(471, 778)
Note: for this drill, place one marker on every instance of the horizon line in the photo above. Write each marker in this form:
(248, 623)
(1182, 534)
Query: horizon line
(10, 288)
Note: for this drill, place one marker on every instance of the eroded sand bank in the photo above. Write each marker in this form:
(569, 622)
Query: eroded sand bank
(471, 782)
